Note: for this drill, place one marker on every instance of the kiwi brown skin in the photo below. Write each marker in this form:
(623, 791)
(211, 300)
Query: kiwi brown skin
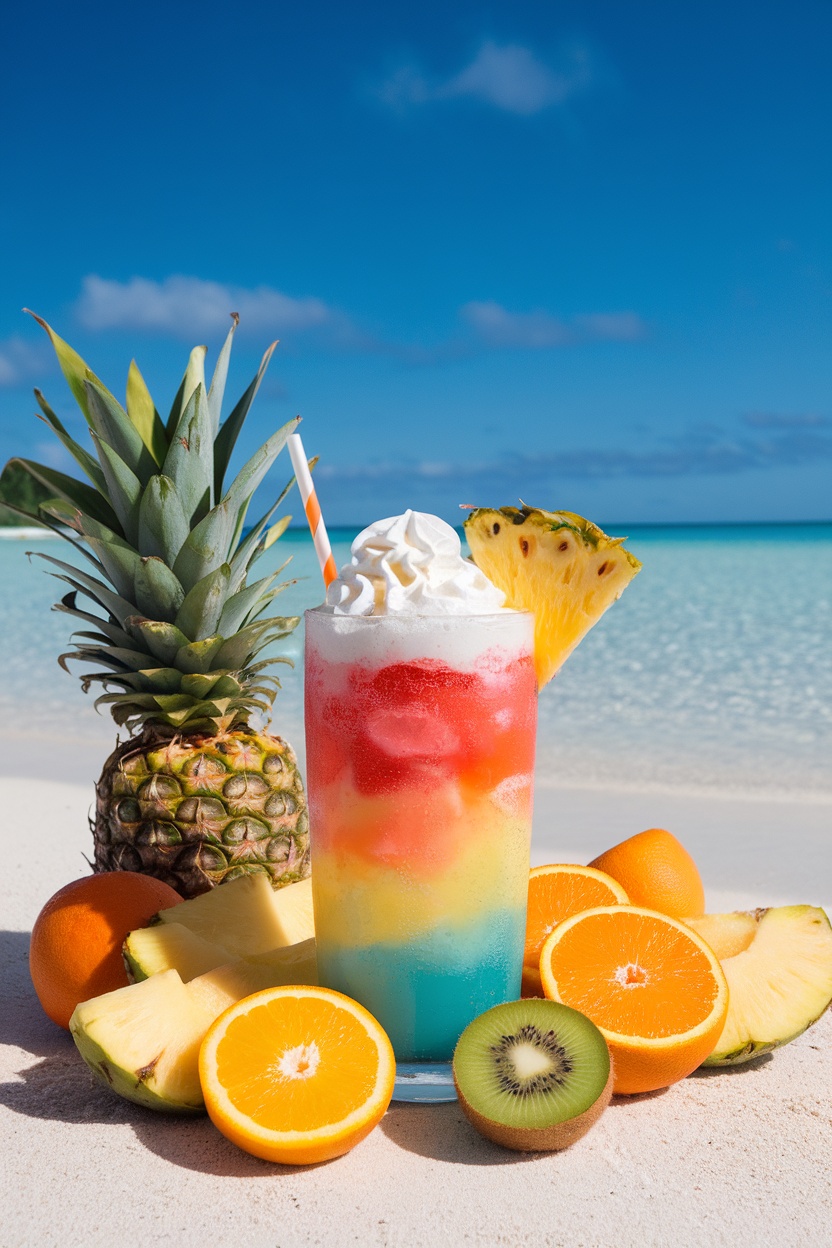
(539, 1139)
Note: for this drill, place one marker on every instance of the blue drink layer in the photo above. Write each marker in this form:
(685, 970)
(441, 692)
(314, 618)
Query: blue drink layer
(426, 992)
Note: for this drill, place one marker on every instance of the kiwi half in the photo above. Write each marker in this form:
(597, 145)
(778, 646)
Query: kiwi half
(532, 1075)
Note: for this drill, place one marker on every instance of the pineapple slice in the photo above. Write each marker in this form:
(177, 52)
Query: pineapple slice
(169, 946)
(778, 964)
(225, 986)
(247, 916)
(555, 564)
(143, 1041)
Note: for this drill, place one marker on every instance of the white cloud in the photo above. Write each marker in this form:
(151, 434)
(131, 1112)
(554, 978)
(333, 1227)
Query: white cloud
(188, 306)
(20, 361)
(539, 329)
(507, 76)
(786, 420)
(611, 326)
(501, 328)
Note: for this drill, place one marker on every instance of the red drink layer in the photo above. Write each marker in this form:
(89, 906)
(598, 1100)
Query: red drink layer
(420, 783)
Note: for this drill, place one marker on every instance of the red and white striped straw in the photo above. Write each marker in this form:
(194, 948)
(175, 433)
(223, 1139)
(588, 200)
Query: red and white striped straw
(312, 508)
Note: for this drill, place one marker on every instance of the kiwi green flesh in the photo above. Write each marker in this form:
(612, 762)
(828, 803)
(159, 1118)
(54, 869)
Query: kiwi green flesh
(528, 1068)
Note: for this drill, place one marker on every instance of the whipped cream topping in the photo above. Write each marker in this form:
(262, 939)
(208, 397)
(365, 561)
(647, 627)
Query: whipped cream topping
(411, 565)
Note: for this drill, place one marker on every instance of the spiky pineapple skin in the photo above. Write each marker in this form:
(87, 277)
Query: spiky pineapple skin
(197, 810)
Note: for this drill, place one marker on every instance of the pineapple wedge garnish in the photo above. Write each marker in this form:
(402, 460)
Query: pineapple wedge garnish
(555, 564)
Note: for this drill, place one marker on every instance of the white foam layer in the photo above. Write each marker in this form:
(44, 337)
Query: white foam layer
(411, 565)
(378, 640)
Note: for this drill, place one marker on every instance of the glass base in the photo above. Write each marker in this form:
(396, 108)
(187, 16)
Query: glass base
(424, 1082)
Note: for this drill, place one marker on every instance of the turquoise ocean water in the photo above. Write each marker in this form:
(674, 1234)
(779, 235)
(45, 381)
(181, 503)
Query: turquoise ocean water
(713, 673)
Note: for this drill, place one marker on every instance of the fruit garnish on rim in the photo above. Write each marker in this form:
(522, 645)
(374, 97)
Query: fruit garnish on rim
(555, 564)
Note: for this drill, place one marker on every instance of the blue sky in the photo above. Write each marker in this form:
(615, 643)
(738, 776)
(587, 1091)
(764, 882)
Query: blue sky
(574, 252)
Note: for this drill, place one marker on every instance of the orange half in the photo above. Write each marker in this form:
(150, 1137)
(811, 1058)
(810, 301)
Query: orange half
(557, 891)
(648, 982)
(296, 1075)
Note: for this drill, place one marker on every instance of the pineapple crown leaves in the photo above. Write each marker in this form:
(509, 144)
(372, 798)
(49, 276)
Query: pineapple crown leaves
(173, 621)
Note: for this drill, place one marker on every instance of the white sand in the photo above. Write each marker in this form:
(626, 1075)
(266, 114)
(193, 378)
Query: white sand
(730, 1158)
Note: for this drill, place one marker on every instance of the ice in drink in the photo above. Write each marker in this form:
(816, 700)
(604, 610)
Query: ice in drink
(420, 721)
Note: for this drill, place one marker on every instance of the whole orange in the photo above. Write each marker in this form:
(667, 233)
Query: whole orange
(656, 871)
(75, 951)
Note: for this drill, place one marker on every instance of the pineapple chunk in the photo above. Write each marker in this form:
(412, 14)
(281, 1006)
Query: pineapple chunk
(557, 565)
(143, 1042)
(247, 916)
(779, 980)
(226, 985)
(169, 946)
(727, 934)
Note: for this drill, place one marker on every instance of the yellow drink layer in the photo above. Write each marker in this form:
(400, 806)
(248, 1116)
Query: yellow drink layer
(391, 897)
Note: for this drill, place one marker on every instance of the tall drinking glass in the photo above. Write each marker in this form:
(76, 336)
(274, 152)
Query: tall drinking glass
(420, 738)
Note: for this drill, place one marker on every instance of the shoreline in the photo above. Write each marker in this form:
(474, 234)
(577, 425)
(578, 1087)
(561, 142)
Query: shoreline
(22, 754)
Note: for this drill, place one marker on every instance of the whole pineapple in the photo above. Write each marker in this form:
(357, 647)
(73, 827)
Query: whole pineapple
(197, 795)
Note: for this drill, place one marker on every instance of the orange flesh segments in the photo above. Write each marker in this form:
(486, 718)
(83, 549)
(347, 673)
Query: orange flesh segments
(318, 1069)
(559, 890)
(651, 984)
(296, 1074)
(633, 975)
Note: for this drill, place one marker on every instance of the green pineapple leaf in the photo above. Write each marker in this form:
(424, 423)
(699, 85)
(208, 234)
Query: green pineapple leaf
(265, 603)
(162, 640)
(206, 547)
(76, 372)
(163, 525)
(255, 469)
(198, 656)
(158, 592)
(91, 588)
(202, 607)
(249, 548)
(119, 560)
(217, 390)
(83, 458)
(115, 657)
(238, 650)
(112, 424)
(55, 509)
(115, 635)
(71, 490)
(276, 531)
(199, 685)
(226, 439)
(116, 559)
(142, 411)
(240, 604)
(123, 488)
(189, 462)
(155, 680)
(227, 686)
(194, 376)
